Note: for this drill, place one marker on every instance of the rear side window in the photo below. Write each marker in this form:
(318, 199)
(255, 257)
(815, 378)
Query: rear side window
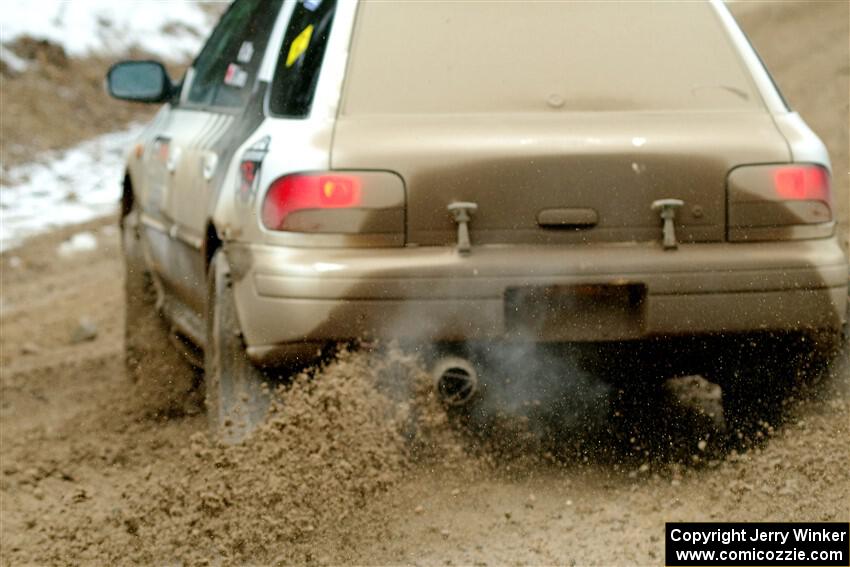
(479, 57)
(226, 69)
(300, 58)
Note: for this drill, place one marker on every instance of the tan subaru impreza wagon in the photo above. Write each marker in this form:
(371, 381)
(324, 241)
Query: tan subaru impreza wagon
(610, 174)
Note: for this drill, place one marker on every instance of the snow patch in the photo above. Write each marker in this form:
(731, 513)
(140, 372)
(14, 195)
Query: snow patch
(80, 242)
(14, 62)
(68, 187)
(173, 30)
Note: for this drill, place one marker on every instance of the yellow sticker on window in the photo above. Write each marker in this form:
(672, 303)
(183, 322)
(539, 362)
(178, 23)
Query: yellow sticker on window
(299, 45)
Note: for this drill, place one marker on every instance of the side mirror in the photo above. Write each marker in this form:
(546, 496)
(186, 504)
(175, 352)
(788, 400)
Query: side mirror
(139, 81)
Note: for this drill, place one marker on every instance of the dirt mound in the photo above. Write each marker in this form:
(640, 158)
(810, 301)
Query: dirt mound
(334, 439)
(59, 101)
(40, 51)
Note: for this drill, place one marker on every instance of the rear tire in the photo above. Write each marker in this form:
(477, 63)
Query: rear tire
(164, 378)
(759, 375)
(238, 394)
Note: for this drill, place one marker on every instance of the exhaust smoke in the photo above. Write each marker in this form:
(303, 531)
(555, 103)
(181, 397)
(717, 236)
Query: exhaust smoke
(537, 392)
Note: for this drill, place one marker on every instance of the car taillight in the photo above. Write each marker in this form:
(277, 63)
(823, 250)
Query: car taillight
(336, 202)
(305, 192)
(779, 202)
(802, 183)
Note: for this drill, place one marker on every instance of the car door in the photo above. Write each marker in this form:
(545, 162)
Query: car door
(219, 86)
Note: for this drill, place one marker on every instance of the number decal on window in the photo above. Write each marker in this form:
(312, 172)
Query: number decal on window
(299, 45)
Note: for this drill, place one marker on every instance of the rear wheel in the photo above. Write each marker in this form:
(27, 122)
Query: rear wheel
(238, 394)
(164, 377)
(759, 375)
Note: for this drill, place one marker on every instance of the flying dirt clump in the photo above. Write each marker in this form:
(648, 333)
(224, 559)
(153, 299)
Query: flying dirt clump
(336, 437)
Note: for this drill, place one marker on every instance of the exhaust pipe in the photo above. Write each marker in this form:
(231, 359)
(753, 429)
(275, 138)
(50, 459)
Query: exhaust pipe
(456, 380)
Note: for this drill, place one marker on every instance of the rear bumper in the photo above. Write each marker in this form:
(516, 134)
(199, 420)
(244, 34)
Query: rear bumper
(290, 295)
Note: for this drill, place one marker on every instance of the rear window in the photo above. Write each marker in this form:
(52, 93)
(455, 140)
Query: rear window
(301, 57)
(471, 57)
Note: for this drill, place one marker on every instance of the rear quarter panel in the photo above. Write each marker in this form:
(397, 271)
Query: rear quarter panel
(816, 87)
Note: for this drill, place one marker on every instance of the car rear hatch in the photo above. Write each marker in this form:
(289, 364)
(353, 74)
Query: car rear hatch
(560, 178)
(562, 122)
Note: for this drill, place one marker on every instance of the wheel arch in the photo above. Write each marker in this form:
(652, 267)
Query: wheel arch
(128, 197)
(212, 242)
